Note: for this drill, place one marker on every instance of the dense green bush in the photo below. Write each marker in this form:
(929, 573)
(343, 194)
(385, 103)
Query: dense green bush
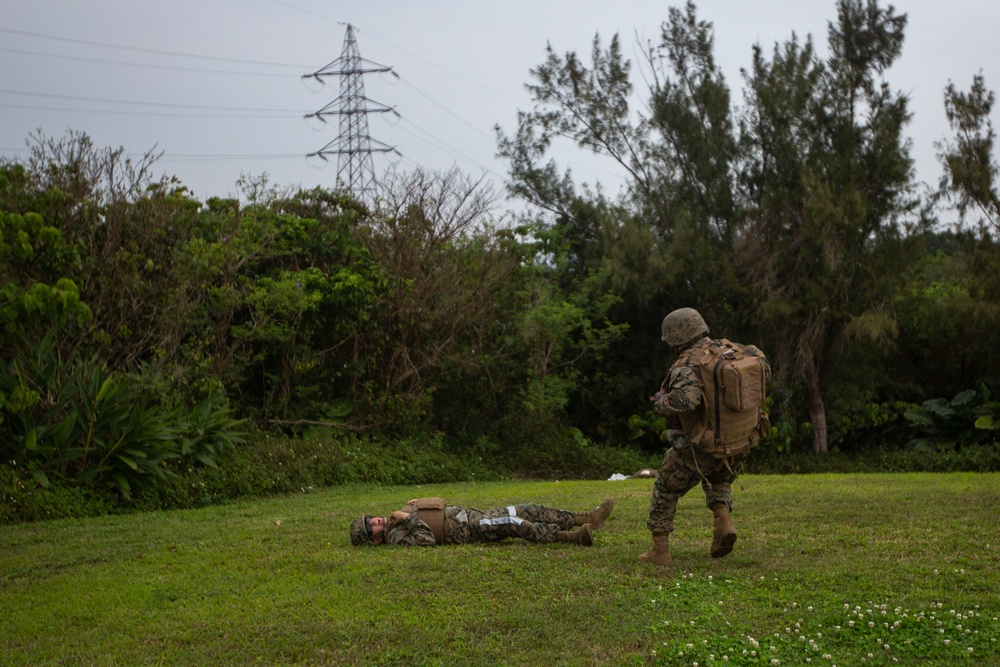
(70, 419)
(974, 458)
(23, 499)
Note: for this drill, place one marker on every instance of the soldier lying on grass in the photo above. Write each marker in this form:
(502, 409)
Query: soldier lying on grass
(429, 521)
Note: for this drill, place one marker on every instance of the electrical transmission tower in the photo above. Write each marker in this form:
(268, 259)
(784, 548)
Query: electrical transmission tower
(353, 147)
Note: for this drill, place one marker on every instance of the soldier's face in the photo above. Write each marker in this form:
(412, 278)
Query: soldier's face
(377, 527)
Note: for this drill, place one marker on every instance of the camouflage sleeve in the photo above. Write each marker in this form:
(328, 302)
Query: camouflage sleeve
(410, 532)
(681, 392)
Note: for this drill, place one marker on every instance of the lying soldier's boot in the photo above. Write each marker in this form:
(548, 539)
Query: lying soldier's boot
(584, 536)
(660, 553)
(725, 532)
(595, 517)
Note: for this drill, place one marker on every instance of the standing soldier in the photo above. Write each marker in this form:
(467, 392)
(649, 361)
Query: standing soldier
(430, 521)
(716, 390)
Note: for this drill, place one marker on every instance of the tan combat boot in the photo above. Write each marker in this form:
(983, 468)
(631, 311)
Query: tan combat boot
(584, 536)
(595, 517)
(660, 553)
(725, 532)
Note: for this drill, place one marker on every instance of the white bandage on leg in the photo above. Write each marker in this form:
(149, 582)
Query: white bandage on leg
(511, 518)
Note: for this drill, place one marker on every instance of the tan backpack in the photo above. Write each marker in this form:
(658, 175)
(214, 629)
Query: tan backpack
(730, 420)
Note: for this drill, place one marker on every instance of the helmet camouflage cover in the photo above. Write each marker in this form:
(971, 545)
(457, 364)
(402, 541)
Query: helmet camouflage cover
(359, 531)
(683, 326)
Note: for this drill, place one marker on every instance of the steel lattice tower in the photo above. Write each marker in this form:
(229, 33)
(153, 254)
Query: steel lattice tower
(353, 147)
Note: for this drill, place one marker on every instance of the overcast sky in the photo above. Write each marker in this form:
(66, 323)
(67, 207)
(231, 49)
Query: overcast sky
(216, 84)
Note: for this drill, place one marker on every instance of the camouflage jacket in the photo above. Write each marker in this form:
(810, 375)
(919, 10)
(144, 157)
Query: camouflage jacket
(412, 531)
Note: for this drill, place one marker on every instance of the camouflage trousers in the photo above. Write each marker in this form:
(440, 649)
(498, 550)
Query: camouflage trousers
(683, 468)
(530, 521)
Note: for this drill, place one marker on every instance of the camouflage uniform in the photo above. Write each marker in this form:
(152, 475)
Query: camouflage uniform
(530, 521)
(684, 466)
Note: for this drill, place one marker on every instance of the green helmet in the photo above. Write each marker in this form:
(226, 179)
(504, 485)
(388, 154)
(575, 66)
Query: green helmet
(359, 531)
(683, 327)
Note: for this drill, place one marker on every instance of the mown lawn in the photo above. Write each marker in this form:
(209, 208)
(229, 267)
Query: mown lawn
(828, 570)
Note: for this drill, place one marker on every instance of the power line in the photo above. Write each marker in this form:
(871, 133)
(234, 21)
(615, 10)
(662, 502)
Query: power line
(170, 110)
(127, 112)
(130, 63)
(139, 49)
(138, 103)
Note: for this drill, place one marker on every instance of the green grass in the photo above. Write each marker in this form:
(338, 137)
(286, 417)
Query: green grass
(829, 570)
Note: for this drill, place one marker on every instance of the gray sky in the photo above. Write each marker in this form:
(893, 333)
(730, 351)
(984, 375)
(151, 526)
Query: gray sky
(216, 84)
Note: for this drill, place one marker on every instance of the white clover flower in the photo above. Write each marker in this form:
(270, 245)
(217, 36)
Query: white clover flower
(947, 642)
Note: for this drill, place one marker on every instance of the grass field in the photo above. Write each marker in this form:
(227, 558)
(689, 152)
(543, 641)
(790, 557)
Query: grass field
(828, 570)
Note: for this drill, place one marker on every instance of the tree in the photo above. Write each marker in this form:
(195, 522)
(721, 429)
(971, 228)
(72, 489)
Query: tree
(970, 167)
(433, 236)
(667, 242)
(827, 176)
(970, 180)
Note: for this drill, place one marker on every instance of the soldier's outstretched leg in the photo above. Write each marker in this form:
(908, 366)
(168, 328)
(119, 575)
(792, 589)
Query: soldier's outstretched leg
(596, 516)
(583, 536)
